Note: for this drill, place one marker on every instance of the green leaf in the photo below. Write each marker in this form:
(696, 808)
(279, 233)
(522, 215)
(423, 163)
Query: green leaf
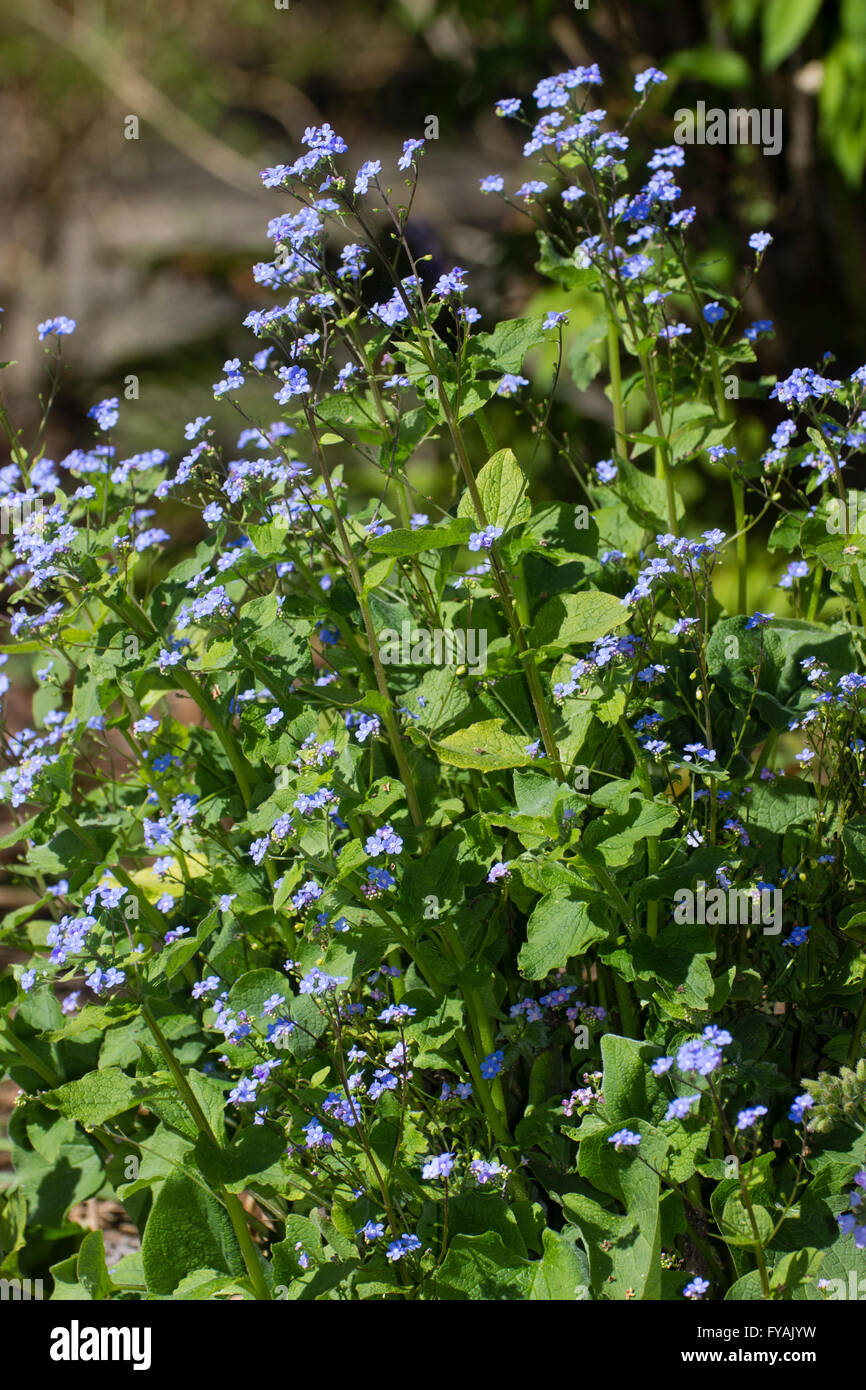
(501, 486)
(584, 358)
(794, 1274)
(628, 1247)
(481, 1268)
(474, 1213)
(21, 832)
(700, 865)
(735, 1226)
(253, 1149)
(854, 840)
(95, 1098)
(173, 958)
(187, 1230)
(628, 1085)
(560, 531)
(505, 348)
(616, 833)
(401, 542)
(564, 271)
(562, 1275)
(52, 1188)
(785, 25)
(746, 1289)
(98, 1016)
(775, 806)
(718, 67)
(378, 573)
(677, 966)
(268, 540)
(483, 746)
(645, 496)
(568, 619)
(287, 1267)
(252, 989)
(67, 1288)
(559, 929)
(92, 1271)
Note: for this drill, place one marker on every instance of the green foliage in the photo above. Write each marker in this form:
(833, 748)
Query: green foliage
(443, 899)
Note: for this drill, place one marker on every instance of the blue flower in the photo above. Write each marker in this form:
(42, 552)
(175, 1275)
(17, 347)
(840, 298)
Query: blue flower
(384, 841)
(510, 383)
(697, 1288)
(372, 1230)
(624, 1139)
(696, 1056)
(798, 569)
(484, 1172)
(316, 982)
(397, 1013)
(439, 1166)
(661, 1065)
(757, 328)
(720, 1036)
(606, 471)
(499, 871)
(674, 330)
(368, 170)
(295, 383)
(648, 78)
(451, 283)
(404, 1246)
(749, 1117)
(798, 1109)
(492, 1065)
(759, 241)
(483, 540)
(699, 750)
(529, 190)
(798, 936)
(105, 413)
(244, 1092)
(680, 1107)
(60, 327)
(410, 149)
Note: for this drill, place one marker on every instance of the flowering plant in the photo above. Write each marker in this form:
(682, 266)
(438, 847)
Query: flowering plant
(355, 977)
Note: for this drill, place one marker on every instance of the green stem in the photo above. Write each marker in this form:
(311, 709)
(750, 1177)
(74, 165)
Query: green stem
(627, 1012)
(26, 1055)
(394, 737)
(860, 1024)
(533, 680)
(738, 493)
(230, 1199)
(486, 432)
(652, 844)
(478, 1017)
(119, 873)
(738, 490)
(860, 593)
(615, 371)
(494, 1119)
(745, 1196)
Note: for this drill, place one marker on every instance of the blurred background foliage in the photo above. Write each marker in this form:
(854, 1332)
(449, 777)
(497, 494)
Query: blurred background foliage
(148, 242)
